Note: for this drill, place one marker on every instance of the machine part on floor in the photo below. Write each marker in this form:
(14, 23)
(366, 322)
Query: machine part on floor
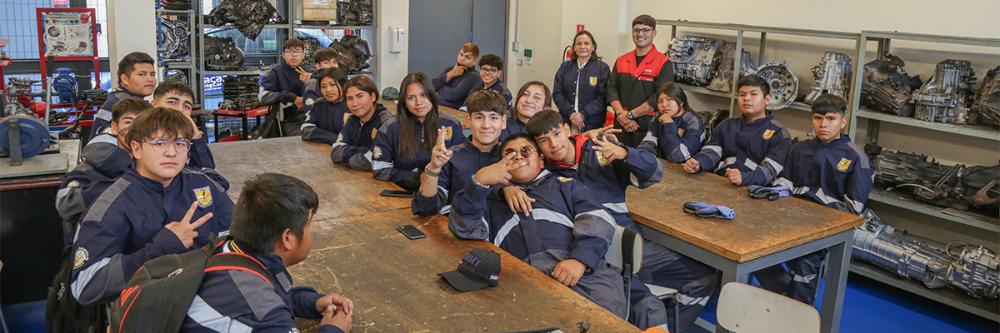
(886, 87)
(352, 53)
(64, 85)
(221, 53)
(248, 16)
(694, 59)
(946, 96)
(722, 76)
(784, 84)
(239, 92)
(311, 45)
(355, 12)
(986, 109)
(975, 270)
(957, 186)
(833, 76)
(173, 39)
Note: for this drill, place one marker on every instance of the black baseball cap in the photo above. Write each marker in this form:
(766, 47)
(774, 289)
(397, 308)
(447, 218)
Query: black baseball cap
(479, 268)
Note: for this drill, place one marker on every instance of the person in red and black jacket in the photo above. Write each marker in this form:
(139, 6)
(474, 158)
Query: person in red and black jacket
(635, 77)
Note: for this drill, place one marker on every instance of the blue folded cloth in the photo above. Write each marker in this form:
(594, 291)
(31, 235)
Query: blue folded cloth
(702, 209)
(769, 192)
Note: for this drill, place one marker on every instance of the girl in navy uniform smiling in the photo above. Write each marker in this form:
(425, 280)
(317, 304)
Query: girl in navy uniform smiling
(403, 145)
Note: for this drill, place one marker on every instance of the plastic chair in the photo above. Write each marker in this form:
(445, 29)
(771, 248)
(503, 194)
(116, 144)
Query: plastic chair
(625, 253)
(747, 309)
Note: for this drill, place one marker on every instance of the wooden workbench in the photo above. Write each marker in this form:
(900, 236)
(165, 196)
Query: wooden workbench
(763, 233)
(462, 117)
(392, 280)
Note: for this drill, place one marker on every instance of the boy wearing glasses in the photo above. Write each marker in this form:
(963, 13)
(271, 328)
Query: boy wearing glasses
(490, 66)
(566, 236)
(285, 83)
(179, 97)
(455, 83)
(634, 80)
(607, 168)
(451, 167)
(154, 209)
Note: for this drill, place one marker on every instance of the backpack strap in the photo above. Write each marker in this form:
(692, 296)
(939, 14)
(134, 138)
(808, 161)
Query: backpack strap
(235, 261)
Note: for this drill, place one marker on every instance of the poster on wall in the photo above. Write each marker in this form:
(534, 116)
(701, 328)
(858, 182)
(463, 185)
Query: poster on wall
(68, 34)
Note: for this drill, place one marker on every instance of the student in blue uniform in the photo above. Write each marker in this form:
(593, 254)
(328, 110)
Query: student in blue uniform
(828, 170)
(325, 58)
(102, 162)
(451, 167)
(179, 97)
(580, 89)
(354, 143)
(677, 132)
(326, 116)
(272, 224)
(490, 66)
(455, 83)
(136, 79)
(403, 144)
(533, 97)
(748, 150)
(607, 168)
(154, 209)
(566, 236)
(284, 84)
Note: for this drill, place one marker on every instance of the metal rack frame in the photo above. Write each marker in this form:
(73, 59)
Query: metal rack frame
(184, 65)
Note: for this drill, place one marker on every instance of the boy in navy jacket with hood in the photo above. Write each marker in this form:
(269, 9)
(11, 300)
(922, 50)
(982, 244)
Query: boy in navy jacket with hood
(156, 208)
(136, 79)
(284, 84)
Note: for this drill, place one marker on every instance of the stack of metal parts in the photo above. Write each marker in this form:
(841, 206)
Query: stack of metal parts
(946, 97)
(694, 59)
(352, 53)
(957, 186)
(986, 109)
(239, 92)
(784, 84)
(887, 87)
(355, 12)
(248, 16)
(174, 4)
(221, 53)
(311, 45)
(176, 76)
(975, 270)
(173, 39)
(19, 91)
(722, 75)
(833, 76)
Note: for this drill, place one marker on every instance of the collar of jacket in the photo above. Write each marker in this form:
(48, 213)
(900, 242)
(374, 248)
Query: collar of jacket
(537, 181)
(579, 141)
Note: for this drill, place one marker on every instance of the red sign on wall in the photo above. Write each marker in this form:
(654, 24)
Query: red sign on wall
(579, 27)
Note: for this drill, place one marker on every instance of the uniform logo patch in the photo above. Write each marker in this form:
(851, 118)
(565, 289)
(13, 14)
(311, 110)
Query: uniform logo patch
(564, 179)
(843, 165)
(204, 196)
(310, 102)
(768, 134)
(447, 133)
(376, 152)
(593, 81)
(374, 131)
(80, 257)
(346, 116)
(601, 159)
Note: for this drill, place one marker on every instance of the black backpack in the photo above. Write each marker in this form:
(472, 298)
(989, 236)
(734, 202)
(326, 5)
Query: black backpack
(159, 294)
(62, 312)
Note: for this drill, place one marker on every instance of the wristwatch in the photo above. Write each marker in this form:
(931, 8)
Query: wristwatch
(630, 115)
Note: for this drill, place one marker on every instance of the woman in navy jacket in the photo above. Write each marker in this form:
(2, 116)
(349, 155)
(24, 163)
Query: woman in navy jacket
(580, 88)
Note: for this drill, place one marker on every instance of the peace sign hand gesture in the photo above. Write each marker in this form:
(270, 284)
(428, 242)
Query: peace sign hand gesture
(610, 148)
(499, 172)
(440, 154)
(185, 229)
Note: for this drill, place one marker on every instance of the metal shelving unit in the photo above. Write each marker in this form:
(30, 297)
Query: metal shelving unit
(186, 66)
(740, 30)
(984, 308)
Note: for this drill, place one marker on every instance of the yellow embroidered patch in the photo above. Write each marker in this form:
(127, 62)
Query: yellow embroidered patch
(346, 116)
(768, 134)
(843, 165)
(593, 81)
(447, 133)
(374, 131)
(203, 196)
(564, 179)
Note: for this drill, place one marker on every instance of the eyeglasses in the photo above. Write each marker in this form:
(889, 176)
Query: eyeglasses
(641, 30)
(489, 69)
(525, 151)
(162, 144)
(295, 52)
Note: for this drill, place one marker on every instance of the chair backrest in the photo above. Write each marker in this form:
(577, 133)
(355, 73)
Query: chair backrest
(747, 309)
(617, 248)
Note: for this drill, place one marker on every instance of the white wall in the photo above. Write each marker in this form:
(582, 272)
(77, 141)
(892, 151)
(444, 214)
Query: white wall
(391, 66)
(131, 28)
(551, 23)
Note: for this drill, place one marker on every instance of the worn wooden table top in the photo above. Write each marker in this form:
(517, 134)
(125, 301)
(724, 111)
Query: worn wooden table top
(462, 117)
(342, 191)
(395, 286)
(761, 227)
